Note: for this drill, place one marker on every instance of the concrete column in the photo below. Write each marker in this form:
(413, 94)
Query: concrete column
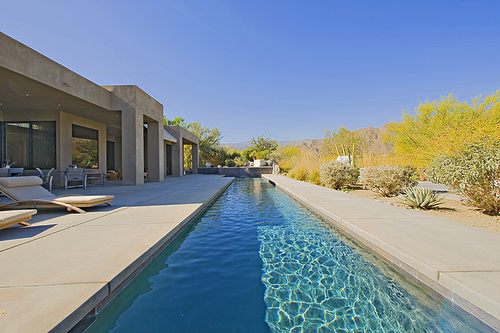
(178, 158)
(132, 147)
(196, 157)
(65, 141)
(155, 152)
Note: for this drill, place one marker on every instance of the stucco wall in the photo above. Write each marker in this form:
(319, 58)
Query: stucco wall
(138, 108)
(65, 142)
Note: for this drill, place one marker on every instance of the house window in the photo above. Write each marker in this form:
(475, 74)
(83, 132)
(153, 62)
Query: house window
(110, 155)
(30, 144)
(85, 147)
(168, 160)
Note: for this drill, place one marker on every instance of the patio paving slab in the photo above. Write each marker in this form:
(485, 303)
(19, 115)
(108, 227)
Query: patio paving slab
(63, 265)
(458, 261)
(23, 305)
(481, 287)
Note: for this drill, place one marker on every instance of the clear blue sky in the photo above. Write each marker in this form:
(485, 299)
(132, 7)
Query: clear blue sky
(289, 69)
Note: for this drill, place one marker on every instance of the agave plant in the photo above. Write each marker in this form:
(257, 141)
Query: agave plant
(420, 197)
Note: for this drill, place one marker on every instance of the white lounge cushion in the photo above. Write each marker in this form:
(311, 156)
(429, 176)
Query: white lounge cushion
(10, 182)
(29, 188)
(11, 217)
(25, 192)
(75, 200)
(7, 216)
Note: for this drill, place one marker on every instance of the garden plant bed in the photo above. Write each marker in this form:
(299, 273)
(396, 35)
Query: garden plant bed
(451, 209)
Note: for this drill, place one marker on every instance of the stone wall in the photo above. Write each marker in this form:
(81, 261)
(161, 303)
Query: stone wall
(237, 171)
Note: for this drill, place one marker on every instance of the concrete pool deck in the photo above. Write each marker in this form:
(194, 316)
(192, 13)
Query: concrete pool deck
(65, 265)
(461, 263)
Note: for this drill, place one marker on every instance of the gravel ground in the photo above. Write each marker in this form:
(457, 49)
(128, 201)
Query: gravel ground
(452, 209)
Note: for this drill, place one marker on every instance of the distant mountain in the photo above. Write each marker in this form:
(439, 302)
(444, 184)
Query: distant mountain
(372, 135)
(237, 145)
(373, 138)
(307, 143)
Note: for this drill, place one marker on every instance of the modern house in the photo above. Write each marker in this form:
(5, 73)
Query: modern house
(52, 117)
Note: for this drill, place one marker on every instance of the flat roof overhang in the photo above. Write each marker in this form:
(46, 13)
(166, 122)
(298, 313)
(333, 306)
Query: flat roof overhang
(168, 137)
(21, 93)
(180, 132)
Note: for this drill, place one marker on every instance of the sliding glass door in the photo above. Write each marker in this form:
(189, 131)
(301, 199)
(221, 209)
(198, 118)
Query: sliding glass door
(29, 145)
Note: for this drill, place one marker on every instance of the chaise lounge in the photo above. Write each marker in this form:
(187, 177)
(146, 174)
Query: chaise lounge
(27, 191)
(11, 217)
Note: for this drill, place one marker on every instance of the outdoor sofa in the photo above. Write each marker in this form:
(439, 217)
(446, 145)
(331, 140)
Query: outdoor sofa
(27, 191)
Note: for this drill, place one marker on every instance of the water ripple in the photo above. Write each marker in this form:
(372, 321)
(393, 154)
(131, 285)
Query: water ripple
(316, 283)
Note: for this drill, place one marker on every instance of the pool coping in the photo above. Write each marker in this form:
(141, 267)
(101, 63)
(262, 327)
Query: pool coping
(458, 283)
(67, 272)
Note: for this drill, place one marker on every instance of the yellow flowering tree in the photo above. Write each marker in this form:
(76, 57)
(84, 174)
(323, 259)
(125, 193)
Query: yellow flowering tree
(440, 127)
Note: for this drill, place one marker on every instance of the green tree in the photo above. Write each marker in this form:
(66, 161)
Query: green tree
(178, 121)
(261, 147)
(210, 149)
(215, 155)
(262, 143)
(342, 143)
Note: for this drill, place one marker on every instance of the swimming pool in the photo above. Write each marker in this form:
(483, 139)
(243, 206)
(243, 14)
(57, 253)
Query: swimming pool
(256, 261)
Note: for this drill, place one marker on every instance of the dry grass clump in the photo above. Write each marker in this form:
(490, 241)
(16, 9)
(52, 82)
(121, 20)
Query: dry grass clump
(306, 166)
(372, 160)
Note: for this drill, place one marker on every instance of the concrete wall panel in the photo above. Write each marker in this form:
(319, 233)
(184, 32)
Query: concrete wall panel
(65, 141)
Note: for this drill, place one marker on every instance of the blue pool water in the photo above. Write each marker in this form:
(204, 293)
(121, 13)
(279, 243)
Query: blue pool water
(256, 261)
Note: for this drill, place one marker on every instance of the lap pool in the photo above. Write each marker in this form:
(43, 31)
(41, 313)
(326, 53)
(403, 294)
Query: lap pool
(256, 261)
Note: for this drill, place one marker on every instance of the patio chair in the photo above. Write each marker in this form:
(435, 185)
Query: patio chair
(46, 179)
(11, 217)
(27, 191)
(101, 177)
(4, 172)
(75, 175)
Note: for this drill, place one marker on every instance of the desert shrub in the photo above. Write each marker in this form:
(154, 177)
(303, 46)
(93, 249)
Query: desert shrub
(337, 175)
(277, 156)
(285, 157)
(262, 155)
(240, 161)
(386, 180)
(472, 172)
(314, 177)
(229, 162)
(418, 197)
(248, 154)
(412, 172)
(299, 174)
(285, 166)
